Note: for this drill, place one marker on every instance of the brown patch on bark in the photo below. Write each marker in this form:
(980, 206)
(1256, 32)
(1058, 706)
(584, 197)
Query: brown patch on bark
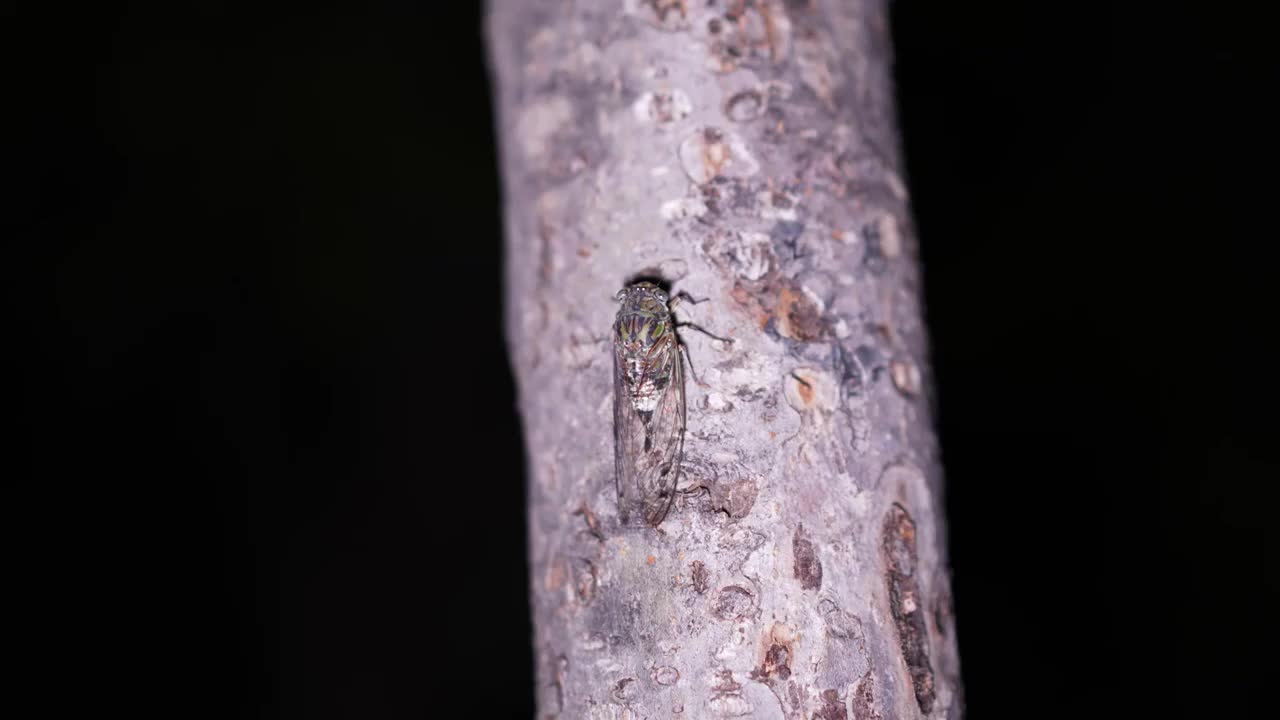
(744, 296)
(899, 545)
(807, 566)
(832, 708)
(701, 578)
(797, 316)
(778, 651)
(777, 663)
(864, 699)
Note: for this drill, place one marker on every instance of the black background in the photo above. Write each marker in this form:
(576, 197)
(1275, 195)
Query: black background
(269, 464)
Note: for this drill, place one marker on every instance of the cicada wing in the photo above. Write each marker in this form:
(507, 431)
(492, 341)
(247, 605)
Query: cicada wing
(648, 446)
(660, 465)
(628, 438)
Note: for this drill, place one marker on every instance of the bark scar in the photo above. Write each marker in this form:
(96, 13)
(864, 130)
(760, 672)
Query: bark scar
(899, 545)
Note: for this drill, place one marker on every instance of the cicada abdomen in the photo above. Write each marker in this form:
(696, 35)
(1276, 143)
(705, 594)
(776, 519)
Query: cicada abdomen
(648, 404)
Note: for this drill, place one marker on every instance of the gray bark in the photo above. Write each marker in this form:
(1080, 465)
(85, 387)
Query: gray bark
(745, 150)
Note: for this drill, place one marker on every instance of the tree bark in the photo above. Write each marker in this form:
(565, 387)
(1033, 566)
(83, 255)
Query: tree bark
(746, 151)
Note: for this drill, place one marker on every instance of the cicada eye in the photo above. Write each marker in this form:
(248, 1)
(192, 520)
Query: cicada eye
(620, 294)
(661, 295)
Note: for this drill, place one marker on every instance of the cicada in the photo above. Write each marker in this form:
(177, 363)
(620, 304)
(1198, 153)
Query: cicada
(648, 403)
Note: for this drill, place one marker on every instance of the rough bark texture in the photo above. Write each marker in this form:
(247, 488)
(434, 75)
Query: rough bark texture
(745, 150)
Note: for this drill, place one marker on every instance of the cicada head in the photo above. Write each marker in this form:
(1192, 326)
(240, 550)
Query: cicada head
(643, 290)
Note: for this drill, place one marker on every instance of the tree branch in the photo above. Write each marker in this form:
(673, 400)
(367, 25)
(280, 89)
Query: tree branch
(744, 151)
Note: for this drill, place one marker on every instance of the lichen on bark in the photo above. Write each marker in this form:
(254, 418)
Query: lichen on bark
(744, 150)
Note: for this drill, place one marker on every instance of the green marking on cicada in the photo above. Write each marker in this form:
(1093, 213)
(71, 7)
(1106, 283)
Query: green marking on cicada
(648, 403)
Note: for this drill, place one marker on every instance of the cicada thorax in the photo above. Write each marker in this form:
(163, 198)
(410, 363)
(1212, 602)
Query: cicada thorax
(647, 350)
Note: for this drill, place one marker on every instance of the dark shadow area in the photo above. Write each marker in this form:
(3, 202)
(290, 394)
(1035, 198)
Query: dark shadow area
(268, 290)
(270, 464)
(1090, 208)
